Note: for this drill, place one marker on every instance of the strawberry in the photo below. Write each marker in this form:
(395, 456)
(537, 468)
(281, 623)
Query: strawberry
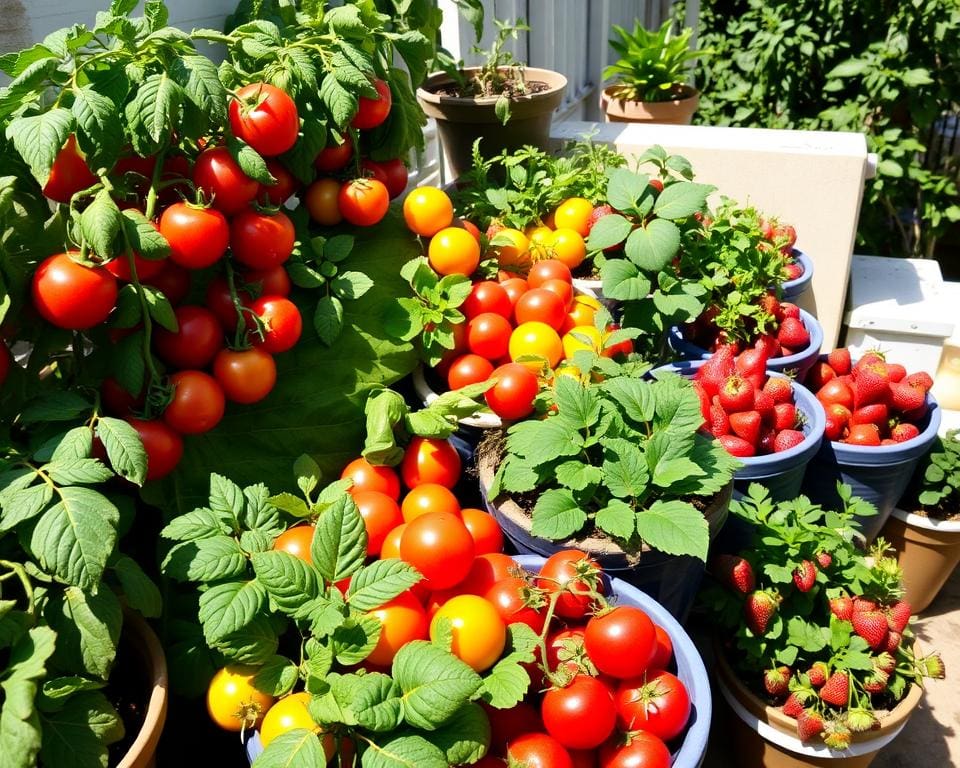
(771, 305)
(818, 375)
(735, 572)
(839, 360)
(737, 446)
(764, 405)
(790, 310)
(817, 674)
(793, 333)
(932, 666)
(792, 707)
(825, 559)
(836, 690)
(876, 682)
(920, 380)
(916, 415)
(896, 372)
(719, 423)
(792, 271)
(872, 627)
(768, 344)
(768, 438)
(805, 575)
(785, 235)
(809, 725)
(904, 398)
(598, 213)
(864, 434)
(834, 428)
(893, 642)
(842, 607)
(780, 389)
(884, 662)
(837, 736)
(871, 385)
(787, 439)
(873, 356)
(863, 604)
(759, 608)
(903, 432)
(878, 413)
(786, 351)
(751, 362)
(714, 372)
(898, 615)
(776, 681)
(736, 394)
(746, 425)
(784, 416)
(888, 441)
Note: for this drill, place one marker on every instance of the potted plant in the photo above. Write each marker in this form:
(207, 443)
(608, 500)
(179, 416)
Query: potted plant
(504, 102)
(650, 77)
(617, 468)
(924, 528)
(815, 653)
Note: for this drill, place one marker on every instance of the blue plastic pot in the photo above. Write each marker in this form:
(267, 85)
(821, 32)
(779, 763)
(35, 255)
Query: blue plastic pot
(794, 288)
(878, 474)
(797, 365)
(781, 473)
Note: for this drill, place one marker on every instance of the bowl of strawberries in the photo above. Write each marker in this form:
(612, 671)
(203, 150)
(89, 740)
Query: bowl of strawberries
(799, 270)
(880, 421)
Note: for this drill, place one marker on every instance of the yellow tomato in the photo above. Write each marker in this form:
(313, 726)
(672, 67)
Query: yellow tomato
(574, 213)
(479, 634)
(454, 251)
(232, 700)
(535, 339)
(513, 254)
(583, 312)
(427, 210)
(289, 714)
(571, 371)
(572, 344)
(541, 242)
(568, 246)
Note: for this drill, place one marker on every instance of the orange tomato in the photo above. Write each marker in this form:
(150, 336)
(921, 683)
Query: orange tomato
(296, 541)
(479, 634)
(513, 254)
(427, 210)
(485, 530)
(367, 477)
(438, 545)
(453, 251)
(427, 498)
(568, 247)
(391, 543)
(430, 460)
(403, 620)
(380, 515)
(574, 213)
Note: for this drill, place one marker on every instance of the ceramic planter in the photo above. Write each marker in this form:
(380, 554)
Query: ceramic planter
(146, 645)
(461, 121)
(674, 112)
(764, 737)
(671, 580)
(794, 288)
(927, 549)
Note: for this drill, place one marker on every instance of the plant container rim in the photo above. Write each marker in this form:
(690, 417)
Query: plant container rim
(146, 641)
(608, 94)
(556, 82)
(926, 523)
(793, 288)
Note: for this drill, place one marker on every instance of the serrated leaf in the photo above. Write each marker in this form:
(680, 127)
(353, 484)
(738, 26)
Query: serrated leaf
(340, 541)
(138, 588)
(277, 676)
(808, 636)
(625, 469)
(435, 684)
(145, 239)
(674, 527)
(210, 559)
(57, 406)
(254, 644)
(88, 627)
(153, 113)
(100, 223)
(577, 403)
(634, 397)
(292, 505)
(465, 737)
(618, 519)
(351, 285)
(76, 443)
(39, 138)
(404, 752)
(557, 515)
(376, 702)
(99, 127)
(297, 748)
(653, 246)
(228, 608)
(623, 281)
(289, 581)
(577, 475)
(608, 231)
(201, 85)
(542, 441)
(124, 449)
(79, 733)
(681, 199)
(355, 639)
(20, 506)
(339, 101)
(328, 319)
(77, 471)
(226, 497)
(380, 582)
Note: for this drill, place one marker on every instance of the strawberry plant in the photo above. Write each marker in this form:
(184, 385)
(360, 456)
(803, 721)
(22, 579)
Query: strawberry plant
(622, 455)
(936, 483)
(811, 622)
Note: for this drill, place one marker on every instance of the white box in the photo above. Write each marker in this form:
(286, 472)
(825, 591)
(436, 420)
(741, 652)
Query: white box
(900, 307)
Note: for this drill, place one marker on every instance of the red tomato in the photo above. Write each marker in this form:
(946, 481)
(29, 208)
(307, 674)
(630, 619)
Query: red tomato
(541, 305)
(485, 571)
(225, 185)
(198, 237)
(573, 573)
(321, 201)
(430, 460)
(196, 342)
(373, 111)
(657, 703)
(397, 176)
(335, 157)
(69, 174)
(487, 536)
(282, 324)
(380, 515)
(363, 202)
(116, 400)
(548, 269)
(372, 170)
(403, 620)
(438, 545)
(119, 267)
(487, 296)
(296, 541)
(369, 477)
(70, 295)
(565, 648)
(469, 226)
(507, 724)
(220, 302)
(644, 750)
(266, 118)
(197, 405)
(663, 654)
(621, 642)
(581, 715)
(284, 188)
(260, 240)
(164, 447)
(488, 335)
(269, 282)
(429, 497)
(562, 288)
(513, 395)
(468, 369)
(515, 288)
(507, 597)
(583, 758)
(246, 376)
(537, 750)
(173, 281)
(624, 347)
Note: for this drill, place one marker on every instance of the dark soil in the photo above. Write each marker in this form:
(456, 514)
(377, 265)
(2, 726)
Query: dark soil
(512, 88)
(128, 690)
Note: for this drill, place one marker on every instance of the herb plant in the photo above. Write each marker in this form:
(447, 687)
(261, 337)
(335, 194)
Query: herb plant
(620, 455)
(938, 476)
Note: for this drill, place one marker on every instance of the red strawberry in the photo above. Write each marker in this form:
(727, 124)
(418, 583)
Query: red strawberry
(714, 372)
(872, 627)
(834, 428)
(598, 213)
(842, 607)
(876, 682)
(759, 608)
(904, 398)
(809, 725)
(719, 422)
(751, 362)
(768, 344)
(916, 415)
(863, 434)
(746, 425)
(873, 356)
(871, 385)
(784, 416)
(805, 575)
(903, 432)
(888, 441)
(920, 380)
(817, 674)
(771, 305)
(878, 413)
(896, 372)
(863, 604)
(735, 572)
(786, 351)
(790, 310)
(785, 235)
(736, 394)
(836, 690)
(792, 271)
(818, 375)
(793, 333)
(768, 438)
(825, 559)
(780, 389)
(776, 681)
(898, 615)
(737, 446)
(839, 360)
(764, 405)
(792, 707)
(787, 439)
(893, 642)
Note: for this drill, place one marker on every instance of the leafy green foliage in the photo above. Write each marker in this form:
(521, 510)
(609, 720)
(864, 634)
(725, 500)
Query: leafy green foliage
(623, 456)
(937, 478)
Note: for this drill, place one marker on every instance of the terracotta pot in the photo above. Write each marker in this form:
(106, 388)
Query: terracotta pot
(675, 112)
(928, 550)
(764, 737)
(142, 753)
(461, 121)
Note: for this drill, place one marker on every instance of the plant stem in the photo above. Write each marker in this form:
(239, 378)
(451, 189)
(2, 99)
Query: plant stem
(21, 574)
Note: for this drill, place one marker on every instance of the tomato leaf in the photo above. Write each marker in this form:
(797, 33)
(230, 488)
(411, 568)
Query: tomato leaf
(253, 644)
(355, 639)
(139, 590)
(77, 471)
(19, 727)
(289, 581)
(328, 319)
(99, 127)
(618, 519)
(376, 702)
(381, 581)
(88, 627)
(625, 471)
(145, 239)
(464, 738)
(297, 748)
(608, 231)
(160, 308)
(338, 248)
(153, 113)
(129, 367)
(404, 751)
(39, 138)
(622, 280)
(250, 161)
(340, 541)
(277, 676)
(55, 406)
(341, 103)
(228, 608)
(80, 732)
(435, 683)
(100, 223)
(210, 559)
(202, 87)
(351, 285)
(22, 505)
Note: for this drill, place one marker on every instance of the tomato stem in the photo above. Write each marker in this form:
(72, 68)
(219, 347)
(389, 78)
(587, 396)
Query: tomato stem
(18, 570)
(239, 340)
(151, 206)
(147, 320)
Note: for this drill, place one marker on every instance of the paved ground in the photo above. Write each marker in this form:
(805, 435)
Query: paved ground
(931, 738)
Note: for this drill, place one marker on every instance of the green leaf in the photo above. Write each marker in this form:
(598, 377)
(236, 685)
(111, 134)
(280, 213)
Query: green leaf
(289, 581)
(623, 281)
(197, 524)
(20, 506)
(76, 443)
(578, 476)
(577, 403)
(100, 223)
(435, 684)
(124, 449)
(211, 559)
(153, 113)
(465, 737)
(160, 308)
(138, 588)
(849, 68)
(608, 231)
(340, 541)
(99, 127)
(250, 161)
(806, 635)
(625, 188)
(144, 238)
(228, 608)
(355, 639)
(654, 245)
(674, 527)
(298, 748)
(540, 442)
(618, 519)
(88, 627)
(58, 406)
(226, 497)
(341, 102)
(328, 319)
(379, 582)
(557, 515)
(635, 397)
(338, 248)
(376, 702)
(277, 676)
(254, 644)
(682, 199)
(74, 537)
(77, 471)
(403, 752)
(19, 723)
(292, 505)
(80, 732)
(351, 285)
(39, 138)
(625, 469)
(259, 514)
(202, 87)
